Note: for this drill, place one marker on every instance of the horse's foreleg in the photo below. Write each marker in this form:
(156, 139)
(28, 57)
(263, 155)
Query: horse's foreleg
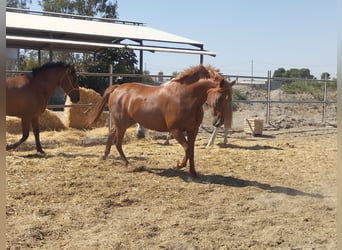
(179, 136)
(191, 135)
(225, 136)
(35, 128)
(25, 126)
(212, 137)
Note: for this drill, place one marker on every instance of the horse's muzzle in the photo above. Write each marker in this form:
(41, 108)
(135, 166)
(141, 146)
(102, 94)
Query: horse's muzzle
(74, 95)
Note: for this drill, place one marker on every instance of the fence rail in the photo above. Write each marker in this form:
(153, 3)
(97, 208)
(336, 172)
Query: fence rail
(252, 81)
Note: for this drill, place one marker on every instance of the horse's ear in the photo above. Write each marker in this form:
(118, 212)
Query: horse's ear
(232, 83)
(222, 83)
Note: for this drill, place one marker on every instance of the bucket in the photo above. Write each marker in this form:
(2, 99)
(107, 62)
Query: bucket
(254, 126)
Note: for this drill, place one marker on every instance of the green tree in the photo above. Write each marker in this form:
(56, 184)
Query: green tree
(303, 73)
(123, 61)
(325, 75)
(279, 72)
(22, 4)
(99, 8)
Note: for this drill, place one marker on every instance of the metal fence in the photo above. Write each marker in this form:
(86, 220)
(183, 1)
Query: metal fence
(320, 108)
(262, 97)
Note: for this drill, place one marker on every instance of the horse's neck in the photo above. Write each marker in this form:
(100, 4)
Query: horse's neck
(47, 81)
(201, 89)
(166, 83)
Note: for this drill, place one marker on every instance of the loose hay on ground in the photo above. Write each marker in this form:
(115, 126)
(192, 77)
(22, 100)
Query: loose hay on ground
(255, 192)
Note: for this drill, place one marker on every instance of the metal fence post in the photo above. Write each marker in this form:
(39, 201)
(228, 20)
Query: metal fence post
(268, 97)
(110, 84)
(324, 100)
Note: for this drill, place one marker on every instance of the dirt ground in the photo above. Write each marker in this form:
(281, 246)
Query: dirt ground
(275, 191)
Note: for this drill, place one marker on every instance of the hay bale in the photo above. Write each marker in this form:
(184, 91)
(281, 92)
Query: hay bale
(13, 125)
(76, 117)
(48, 120)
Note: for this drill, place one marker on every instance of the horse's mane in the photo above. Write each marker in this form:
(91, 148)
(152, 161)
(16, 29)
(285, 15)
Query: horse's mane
(215, 74)
(192, 74)
(48, 65)
(198, 72)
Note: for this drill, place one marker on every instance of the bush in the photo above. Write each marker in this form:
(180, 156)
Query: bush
(300, 87)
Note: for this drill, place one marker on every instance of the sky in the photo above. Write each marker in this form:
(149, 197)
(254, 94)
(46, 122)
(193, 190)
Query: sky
(248, 36)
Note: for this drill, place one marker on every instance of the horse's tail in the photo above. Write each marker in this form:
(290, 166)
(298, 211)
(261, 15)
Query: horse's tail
(228, 117)
(101, 105)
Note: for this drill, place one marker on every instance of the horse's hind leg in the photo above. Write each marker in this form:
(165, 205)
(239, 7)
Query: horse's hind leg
(118, 144)
(225, 137)
(179, 136)
(110, 141)
(120, 132)
(35, 129)
(25, 126)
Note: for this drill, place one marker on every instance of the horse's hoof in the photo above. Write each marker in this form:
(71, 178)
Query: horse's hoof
(194, 176)
(103, 157)
(179, 166)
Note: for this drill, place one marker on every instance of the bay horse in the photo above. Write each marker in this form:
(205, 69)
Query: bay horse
(27, 95)
(175, 107)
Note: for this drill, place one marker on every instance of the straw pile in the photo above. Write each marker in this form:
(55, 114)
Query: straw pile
(47, 121)
(76, 117)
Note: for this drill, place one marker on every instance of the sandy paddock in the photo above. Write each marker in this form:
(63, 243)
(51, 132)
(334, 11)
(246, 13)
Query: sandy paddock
(276, 191)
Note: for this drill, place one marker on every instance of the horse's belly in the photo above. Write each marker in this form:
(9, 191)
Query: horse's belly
(154, 125)
(18, 104)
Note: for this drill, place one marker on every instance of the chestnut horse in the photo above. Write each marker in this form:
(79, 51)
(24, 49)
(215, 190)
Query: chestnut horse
(223, 104)
(175, 107)
(216, 102)
(27, 95)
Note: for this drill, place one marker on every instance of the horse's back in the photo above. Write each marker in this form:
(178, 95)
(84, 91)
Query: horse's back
(136, 91)
(17, 82)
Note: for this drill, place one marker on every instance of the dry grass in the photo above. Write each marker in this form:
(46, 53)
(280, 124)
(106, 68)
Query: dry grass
(252, 194)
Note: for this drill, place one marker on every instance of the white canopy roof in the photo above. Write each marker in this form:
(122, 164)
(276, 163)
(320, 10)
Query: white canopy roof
(46, 30)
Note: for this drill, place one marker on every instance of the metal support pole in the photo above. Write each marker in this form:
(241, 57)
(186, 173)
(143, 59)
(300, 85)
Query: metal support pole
(39, 57)
(110, 84)
(50, 55)
(268, 98)
(201, 56)
(141, 60)
(324, 100)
